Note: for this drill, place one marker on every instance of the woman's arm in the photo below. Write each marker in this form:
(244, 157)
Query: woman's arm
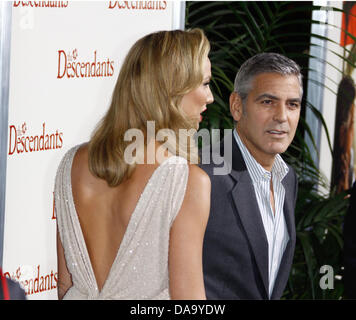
(186, 239)
(64, 278)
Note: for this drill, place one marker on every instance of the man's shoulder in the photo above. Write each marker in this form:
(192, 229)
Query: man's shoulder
(291, 172)
(224, 161)
(215, 163)
(291, 181)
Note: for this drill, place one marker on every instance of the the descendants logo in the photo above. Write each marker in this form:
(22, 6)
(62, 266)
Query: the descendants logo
(33, 280)
(138, 5)
(71, 66)
(20, 141)
(41, 4)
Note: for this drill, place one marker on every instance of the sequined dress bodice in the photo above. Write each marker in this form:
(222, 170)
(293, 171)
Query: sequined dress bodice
(140, 269)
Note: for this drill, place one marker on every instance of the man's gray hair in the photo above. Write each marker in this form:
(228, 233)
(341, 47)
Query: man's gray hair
(264, 63)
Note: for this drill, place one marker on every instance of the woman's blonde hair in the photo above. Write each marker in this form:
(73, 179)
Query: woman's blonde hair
(157, 72)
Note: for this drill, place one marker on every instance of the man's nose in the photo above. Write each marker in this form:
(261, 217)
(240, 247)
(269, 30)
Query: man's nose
(280, 114)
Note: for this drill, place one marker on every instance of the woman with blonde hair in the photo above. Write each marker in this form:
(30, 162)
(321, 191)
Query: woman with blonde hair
(134, 229)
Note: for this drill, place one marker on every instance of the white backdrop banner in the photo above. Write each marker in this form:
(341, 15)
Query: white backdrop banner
(65, 59)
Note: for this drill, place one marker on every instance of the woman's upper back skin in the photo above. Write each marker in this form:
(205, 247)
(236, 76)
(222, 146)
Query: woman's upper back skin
(104, 212)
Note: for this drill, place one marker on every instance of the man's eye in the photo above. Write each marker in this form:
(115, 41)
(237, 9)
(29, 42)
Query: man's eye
(294, 105)
(267, 102)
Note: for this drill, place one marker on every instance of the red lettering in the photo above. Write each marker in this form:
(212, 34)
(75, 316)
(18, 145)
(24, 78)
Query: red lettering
(111, 5)
(60, 139)
(56, 279)
(42, 4)
(61, 52)
(76, 69)
(93, 68)
(12, 129)
(53, 275)
(112, 67)
(19, 143)
(69, 66)
(36, 281)
(82, 66)
(92, 71)
(25, 144)
(31, 145)
(41, 139)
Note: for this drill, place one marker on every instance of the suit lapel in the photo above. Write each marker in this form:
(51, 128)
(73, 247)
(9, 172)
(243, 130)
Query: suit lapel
(287, 259)
(288, 207)
(243, 195)
(245, 201)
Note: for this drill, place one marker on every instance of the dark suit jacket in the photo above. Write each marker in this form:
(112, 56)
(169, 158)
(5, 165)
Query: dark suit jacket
(349, 277)
(15, 290)
(235, 251)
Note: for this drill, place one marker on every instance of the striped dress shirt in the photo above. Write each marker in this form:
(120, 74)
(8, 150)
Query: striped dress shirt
(274, 223)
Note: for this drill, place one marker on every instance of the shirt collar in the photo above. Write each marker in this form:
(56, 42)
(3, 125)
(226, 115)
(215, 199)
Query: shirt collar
(256, 171)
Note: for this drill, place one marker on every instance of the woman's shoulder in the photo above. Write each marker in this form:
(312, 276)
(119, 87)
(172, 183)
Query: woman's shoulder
(195, 175)
(80, 157)
(198, 177)
(72, 152)
(196, 199)
(73, 157)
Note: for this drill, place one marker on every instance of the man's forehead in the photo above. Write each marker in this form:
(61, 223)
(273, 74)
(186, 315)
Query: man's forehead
(275, 76)
(275, 84)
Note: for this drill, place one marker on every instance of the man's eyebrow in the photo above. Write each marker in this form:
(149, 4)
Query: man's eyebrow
(267, 95)
(272, 97)
(295, 100)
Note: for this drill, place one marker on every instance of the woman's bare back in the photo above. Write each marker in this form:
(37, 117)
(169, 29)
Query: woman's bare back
(104, 212)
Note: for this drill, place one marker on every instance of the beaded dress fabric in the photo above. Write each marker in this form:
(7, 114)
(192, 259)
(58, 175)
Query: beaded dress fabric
(140, 269)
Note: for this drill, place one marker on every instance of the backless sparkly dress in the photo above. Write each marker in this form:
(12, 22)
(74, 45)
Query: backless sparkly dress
(140, 269)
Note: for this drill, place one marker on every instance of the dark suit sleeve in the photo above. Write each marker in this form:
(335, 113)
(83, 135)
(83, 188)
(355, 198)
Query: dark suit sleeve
(15, 291)
(295, 185)
(349, 277)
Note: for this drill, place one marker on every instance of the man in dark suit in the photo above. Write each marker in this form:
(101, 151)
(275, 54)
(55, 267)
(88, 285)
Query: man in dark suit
(349, 277)
(250, 236)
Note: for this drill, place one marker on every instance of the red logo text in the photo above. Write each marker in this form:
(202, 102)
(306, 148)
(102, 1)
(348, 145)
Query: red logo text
(70, 66)
(138, 5)
(41, 4)
(20, 141)
(32, 280)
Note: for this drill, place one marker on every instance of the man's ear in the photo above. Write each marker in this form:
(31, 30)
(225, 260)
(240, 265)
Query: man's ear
(235, 106)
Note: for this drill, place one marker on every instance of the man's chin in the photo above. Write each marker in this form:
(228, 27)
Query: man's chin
(278, 149)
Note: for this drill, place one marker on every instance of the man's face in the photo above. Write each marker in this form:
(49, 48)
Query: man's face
(268, 120)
